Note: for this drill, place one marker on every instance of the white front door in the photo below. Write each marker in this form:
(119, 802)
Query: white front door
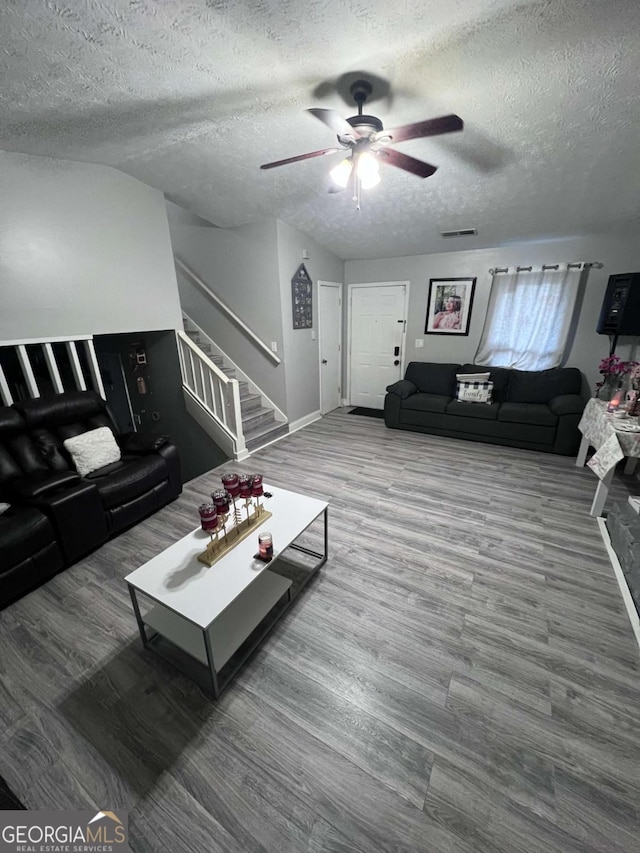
(330, 329)
(377, 323)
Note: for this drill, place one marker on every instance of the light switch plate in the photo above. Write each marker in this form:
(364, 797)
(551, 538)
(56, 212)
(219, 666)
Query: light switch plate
(419, 343)
(274, 346)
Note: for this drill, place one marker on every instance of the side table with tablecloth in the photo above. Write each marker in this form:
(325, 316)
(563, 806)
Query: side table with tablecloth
(614, 439)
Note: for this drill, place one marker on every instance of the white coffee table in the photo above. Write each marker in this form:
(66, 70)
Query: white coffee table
(218, 615)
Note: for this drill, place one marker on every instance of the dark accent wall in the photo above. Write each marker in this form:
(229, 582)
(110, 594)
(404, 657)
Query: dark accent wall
(150, 363)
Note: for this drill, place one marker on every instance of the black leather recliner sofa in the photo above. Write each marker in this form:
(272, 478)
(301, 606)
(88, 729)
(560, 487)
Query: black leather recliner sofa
(55, 515)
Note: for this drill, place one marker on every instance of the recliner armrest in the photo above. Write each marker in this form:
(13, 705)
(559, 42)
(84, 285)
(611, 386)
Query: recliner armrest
(567, 404)
(41, 483)
(403, 388)
(136, 442)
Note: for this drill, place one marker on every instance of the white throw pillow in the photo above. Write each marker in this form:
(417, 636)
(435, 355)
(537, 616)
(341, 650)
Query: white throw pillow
(475, 392)
(473, 377)
(92, 450)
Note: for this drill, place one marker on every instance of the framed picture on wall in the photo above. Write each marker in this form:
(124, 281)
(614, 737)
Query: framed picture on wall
(449, 306)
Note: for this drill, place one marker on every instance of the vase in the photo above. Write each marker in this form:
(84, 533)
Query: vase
(608, 387)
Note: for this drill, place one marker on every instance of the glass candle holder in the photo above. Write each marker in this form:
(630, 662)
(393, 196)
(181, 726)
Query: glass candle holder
(245, 486)
(231, 482)
(256, 485)
(208, 517)
(265, 546)
(221, 499)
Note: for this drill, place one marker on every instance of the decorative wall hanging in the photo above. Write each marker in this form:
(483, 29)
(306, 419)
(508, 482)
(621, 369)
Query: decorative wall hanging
(449, 306)
(302, 299)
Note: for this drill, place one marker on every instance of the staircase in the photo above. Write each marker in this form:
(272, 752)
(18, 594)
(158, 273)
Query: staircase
(259, 423)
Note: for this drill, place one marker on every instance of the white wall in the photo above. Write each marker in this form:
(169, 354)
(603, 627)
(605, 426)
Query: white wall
(84, 249)
(301, 346)
(617, 255)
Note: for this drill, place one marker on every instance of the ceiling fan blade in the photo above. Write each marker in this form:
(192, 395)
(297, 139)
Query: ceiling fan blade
(430, 127)
(409, 164)
(334, 120)
(300, 157)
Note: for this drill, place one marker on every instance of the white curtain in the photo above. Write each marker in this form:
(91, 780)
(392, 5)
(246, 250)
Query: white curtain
(528, 319)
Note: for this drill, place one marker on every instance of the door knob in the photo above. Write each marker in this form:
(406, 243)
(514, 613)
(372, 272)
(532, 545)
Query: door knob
(324, 360)
(396, 362)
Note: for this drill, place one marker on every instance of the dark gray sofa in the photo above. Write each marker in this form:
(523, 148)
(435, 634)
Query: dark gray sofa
(536, 410)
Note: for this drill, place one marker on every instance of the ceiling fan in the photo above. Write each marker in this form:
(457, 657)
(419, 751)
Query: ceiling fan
(366, 140)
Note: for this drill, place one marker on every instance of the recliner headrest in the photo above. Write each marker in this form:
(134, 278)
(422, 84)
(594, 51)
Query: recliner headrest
(10, 422)
(60, 408)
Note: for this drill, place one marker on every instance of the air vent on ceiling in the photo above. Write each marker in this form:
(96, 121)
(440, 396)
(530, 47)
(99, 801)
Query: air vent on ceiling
(462, 232)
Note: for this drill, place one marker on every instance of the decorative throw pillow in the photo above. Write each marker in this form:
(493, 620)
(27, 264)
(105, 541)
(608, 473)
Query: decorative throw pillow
(475, 392)
(473, 377)
(92, 450)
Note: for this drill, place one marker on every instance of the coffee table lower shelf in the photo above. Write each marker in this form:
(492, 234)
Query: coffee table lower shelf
(212, 656)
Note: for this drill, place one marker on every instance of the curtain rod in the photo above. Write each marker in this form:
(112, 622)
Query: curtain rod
(582, 265)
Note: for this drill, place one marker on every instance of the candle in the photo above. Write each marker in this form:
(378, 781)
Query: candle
(245, 486)
(208, 517)
(231, 482)
(265, 546)
(256, 485)
(615, 401)
(221, 499)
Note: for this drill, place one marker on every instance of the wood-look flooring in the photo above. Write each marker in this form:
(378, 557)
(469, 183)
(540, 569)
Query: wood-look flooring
(460, 678)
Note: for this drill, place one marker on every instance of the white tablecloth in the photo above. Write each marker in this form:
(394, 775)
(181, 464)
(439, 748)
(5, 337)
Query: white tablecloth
(607, 434)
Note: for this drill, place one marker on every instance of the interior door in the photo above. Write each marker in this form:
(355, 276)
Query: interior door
(330, 329)
(377, 324)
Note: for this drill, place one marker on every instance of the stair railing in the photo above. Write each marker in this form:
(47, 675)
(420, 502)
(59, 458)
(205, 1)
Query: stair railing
(216, 393)
(230, 314)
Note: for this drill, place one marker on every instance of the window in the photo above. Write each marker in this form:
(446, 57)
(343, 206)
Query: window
(528, 319)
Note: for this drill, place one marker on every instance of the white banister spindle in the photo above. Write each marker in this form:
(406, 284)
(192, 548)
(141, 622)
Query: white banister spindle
(76, 368)
(235, 391)
(218, 395)
(193, 372)
(5, 392)
(94, 369)
(27, 371)
(214, 400)
(202, 383)
(52, 367)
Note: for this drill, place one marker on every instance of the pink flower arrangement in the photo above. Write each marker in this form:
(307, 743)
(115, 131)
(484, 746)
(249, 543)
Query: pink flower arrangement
(613, 365)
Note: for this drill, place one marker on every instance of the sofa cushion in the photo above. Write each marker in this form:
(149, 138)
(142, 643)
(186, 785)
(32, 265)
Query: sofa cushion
(498, 375)
(426, 403)
(541, 386)
(534, 414)
(486, 411)
(432, 378)
(23, 532)
(134, 476)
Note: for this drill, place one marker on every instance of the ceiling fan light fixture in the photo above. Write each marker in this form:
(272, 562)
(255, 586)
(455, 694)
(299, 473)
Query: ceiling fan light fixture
(368, 171)
(341, 173)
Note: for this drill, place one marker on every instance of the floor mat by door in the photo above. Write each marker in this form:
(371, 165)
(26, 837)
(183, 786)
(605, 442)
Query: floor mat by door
(367, 413)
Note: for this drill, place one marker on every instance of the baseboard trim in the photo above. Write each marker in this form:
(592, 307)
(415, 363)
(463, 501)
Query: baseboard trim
(294, 426)
(630, 607)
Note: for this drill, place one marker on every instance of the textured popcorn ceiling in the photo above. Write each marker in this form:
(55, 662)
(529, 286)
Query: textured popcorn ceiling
(191, 96)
